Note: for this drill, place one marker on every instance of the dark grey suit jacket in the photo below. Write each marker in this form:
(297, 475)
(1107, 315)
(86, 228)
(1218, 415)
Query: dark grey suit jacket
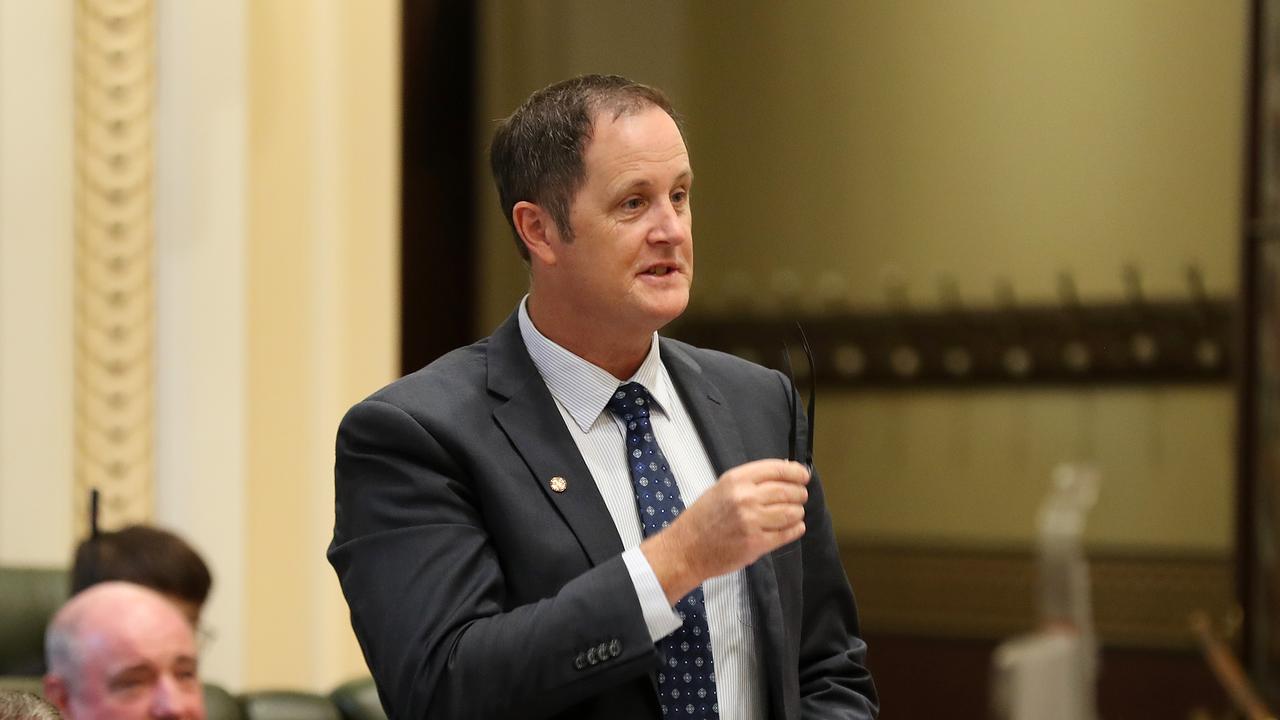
(477, 592)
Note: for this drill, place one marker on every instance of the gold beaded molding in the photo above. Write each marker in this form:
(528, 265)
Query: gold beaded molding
(114, 292)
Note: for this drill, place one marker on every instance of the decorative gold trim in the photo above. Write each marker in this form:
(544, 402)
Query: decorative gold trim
(114, 291)
(1139, 599)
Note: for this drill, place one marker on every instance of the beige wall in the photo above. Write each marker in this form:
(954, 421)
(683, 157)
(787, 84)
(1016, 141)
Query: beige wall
(861, 142)
(323, 308)
(982, 139)
(200, 316)
(277, 155)
(35, 282)
(985, 140)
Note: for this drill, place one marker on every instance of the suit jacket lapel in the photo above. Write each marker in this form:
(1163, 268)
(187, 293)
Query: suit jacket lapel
(533, 424)
(706, 405)
(719, 432)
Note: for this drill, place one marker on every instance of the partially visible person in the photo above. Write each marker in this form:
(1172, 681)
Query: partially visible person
(16, 705)
(147, 556)
(120, 651)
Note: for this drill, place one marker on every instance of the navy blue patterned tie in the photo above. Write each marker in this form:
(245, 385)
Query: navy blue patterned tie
(687, 680)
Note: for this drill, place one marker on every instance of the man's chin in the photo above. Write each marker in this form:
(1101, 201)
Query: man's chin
(666, 311)
(653, 308)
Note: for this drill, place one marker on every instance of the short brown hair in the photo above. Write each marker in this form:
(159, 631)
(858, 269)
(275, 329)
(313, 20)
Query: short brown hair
(146, 556)
(536, 153)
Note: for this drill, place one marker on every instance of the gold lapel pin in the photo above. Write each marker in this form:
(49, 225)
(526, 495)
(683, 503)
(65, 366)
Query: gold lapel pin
(558, 484)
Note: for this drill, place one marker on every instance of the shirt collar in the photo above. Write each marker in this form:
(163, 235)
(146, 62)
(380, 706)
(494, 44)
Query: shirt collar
(581, 387)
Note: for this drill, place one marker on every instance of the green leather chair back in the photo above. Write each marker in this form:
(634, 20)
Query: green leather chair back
(358, 700)
(220, 704)
(28, 599)
(287, 705)
(23, 683)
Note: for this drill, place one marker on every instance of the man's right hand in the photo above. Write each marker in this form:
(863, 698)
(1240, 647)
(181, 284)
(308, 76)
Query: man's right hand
(752, 509)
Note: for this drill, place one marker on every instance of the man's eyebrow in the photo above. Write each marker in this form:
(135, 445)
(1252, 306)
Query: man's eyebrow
(685, 176)
(129, 672)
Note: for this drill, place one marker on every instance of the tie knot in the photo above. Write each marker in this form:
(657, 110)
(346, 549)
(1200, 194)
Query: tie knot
(630, 400)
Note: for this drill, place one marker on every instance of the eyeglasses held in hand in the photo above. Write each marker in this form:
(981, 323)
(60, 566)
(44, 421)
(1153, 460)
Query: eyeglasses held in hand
(793, 398)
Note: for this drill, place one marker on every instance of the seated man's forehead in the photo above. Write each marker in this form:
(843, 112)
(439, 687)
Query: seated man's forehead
(154, 642)
(136, 671)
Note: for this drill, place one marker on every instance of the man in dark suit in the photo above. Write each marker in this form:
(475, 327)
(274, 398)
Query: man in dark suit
(575, 518)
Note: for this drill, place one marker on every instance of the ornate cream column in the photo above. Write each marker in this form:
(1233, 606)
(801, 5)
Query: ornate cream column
(114, 289)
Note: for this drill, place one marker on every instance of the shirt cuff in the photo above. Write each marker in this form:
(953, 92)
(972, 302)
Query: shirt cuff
(659, 617)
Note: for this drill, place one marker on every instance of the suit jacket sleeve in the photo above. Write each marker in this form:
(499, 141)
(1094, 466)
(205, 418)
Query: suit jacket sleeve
(833, 678)
(428, 597)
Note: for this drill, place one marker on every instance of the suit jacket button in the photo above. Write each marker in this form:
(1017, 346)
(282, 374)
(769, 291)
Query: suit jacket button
(580, 662)
(615, 648)
(591, 656)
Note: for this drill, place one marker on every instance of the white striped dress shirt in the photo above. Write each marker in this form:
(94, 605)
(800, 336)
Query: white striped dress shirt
(581, 391)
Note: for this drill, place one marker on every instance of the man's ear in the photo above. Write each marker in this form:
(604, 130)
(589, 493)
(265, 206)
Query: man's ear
(538, 230)
(57, 693)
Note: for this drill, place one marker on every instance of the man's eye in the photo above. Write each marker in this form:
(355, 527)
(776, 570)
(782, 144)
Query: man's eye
(186, 670)
(680, 196)
(632, 204)
(128, 683)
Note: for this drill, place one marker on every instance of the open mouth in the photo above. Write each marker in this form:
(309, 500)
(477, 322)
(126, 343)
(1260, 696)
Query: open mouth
(660, 270)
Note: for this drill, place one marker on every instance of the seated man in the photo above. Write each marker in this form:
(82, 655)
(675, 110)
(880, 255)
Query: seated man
(148, 556)
(120, 651)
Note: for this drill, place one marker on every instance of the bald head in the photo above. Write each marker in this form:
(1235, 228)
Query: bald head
(122, 651)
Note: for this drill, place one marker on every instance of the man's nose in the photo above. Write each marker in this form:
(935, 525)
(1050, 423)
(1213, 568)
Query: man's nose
(669, 224)
(170, 700)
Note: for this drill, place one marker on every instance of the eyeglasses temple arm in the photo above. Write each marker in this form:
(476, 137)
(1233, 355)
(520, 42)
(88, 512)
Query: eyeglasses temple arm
(791, 401)
(813, 392)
